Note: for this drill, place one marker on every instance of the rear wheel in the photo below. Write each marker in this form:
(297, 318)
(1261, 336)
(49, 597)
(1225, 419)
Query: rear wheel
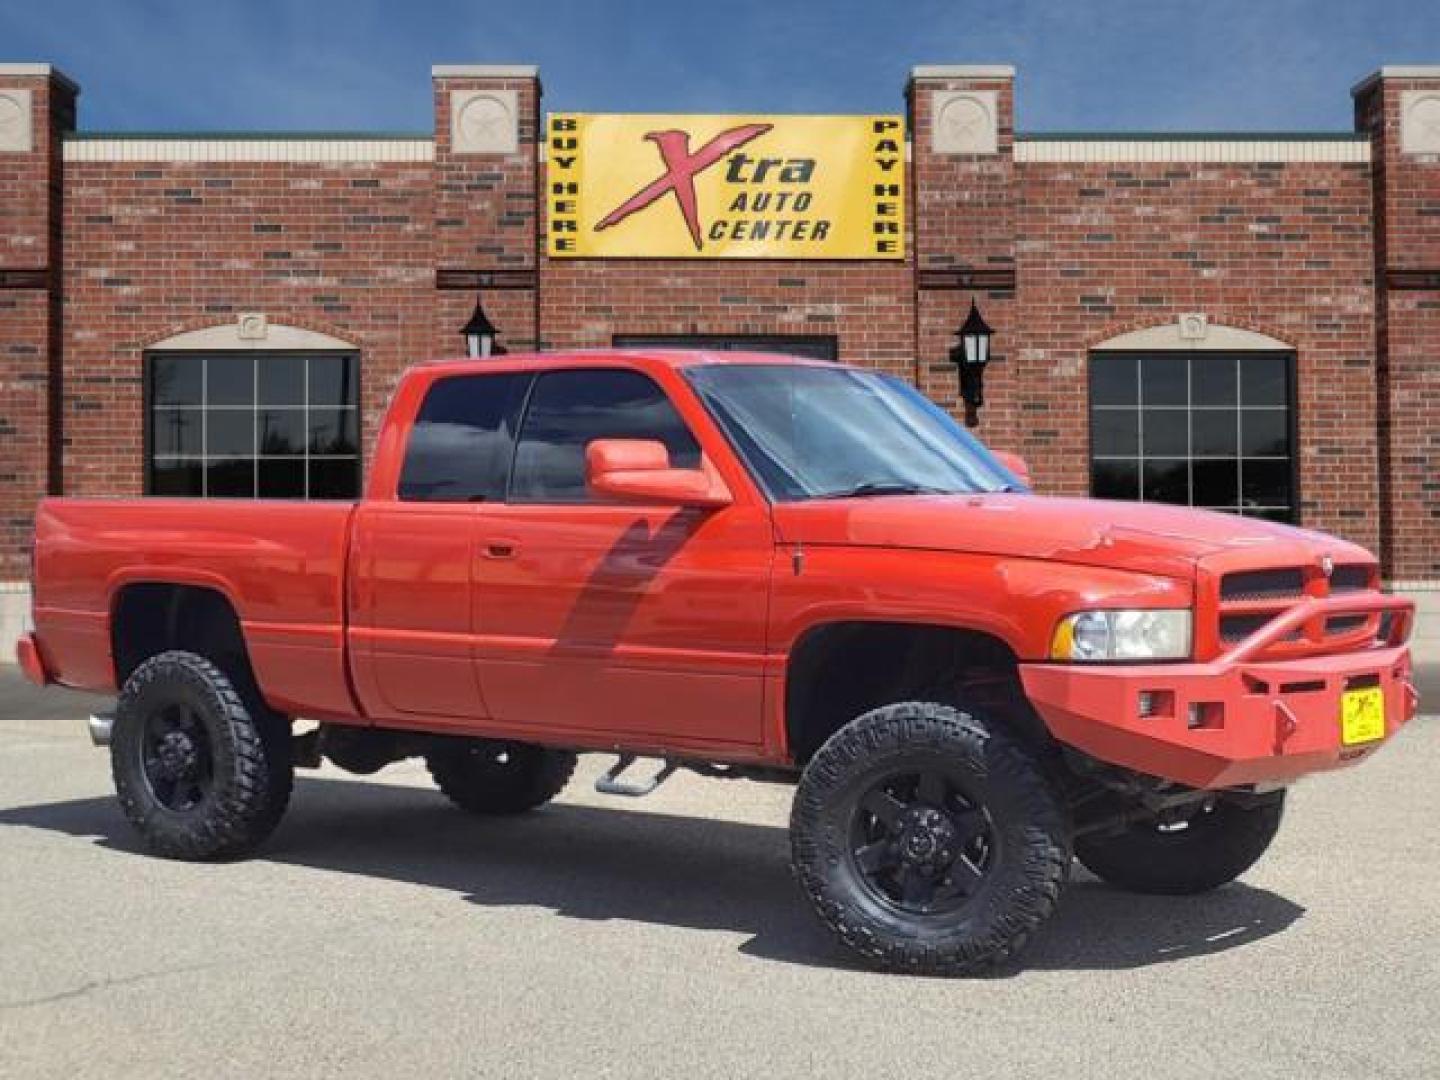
(1217, 843)
(202, 772)
(489, 776)
(929, 840)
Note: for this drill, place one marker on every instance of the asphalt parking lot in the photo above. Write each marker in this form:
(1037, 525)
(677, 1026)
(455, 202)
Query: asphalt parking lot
(383, 933)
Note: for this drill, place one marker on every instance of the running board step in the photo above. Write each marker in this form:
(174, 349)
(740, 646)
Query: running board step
(611, 784)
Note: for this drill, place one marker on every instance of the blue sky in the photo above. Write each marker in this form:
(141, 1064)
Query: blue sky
(364, 64)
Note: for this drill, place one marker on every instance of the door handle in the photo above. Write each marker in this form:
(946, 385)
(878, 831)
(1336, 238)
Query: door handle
(500, 549)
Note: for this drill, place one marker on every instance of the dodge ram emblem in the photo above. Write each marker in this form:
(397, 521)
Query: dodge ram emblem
(1327, 565)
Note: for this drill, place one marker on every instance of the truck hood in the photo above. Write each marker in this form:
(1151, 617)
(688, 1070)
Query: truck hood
(1145, 537)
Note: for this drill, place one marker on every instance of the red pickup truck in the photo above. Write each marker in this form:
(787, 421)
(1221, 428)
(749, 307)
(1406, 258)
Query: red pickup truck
(752, 567)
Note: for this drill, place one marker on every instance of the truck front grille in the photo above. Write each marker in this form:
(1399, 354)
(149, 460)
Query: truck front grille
(1250, 599)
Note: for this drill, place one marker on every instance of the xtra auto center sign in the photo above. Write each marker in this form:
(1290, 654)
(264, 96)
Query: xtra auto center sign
(731, 187)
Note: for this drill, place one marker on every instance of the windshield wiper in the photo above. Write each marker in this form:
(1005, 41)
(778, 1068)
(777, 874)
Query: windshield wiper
(882, 487)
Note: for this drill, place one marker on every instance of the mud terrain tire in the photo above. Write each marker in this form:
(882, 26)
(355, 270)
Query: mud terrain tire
(202, 773)
(929, 840)
(1215, 847)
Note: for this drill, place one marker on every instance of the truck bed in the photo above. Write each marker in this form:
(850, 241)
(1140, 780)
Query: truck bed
(281, 564)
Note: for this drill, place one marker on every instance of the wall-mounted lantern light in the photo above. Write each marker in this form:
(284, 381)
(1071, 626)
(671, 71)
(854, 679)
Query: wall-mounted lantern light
(971, 355)
(481, 335)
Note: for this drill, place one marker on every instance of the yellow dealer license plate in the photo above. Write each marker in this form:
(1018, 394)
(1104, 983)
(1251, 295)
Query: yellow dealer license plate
(1362, 715)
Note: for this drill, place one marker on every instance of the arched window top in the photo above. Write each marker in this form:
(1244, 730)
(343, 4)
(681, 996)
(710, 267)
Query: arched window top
(226, 337)
(1218, 338)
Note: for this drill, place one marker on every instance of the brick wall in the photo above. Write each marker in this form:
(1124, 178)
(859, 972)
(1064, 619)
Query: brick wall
(1060, 255)
(157, 248)
(965, 231)
(486, 215)
(486, 204)
(1283, 249)
(1407, 257)
(1095, 249)
(866, 306)
(30, 259)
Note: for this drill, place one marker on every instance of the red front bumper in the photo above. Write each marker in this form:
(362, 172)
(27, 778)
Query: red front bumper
(1253, 721)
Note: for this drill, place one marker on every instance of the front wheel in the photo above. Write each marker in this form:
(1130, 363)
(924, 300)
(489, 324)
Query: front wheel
(1217, 843)
(929, 840)
(201, 772)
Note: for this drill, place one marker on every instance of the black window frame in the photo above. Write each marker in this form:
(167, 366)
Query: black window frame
(529, 399)
(1292, 426)
(148, 410)
(827, 346)
(519, 407)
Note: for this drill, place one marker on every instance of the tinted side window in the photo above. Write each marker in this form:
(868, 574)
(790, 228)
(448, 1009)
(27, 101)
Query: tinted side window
(459, 449)
(570, 408)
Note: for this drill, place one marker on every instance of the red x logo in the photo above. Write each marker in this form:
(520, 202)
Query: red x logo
(681, 168)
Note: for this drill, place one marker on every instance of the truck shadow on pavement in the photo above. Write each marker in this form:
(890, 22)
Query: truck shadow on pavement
(597, 863)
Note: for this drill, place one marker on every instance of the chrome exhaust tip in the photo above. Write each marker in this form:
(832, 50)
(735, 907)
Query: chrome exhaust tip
(100, 725)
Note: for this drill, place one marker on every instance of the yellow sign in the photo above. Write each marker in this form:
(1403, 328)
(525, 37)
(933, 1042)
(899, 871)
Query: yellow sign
(728, 187)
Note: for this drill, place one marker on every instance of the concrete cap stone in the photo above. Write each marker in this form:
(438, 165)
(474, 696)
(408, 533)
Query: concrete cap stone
(1398, 71)
(485, 71)
(42, 71)
(962, 71)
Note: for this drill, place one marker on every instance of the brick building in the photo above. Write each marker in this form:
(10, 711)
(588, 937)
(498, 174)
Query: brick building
(1240, 321)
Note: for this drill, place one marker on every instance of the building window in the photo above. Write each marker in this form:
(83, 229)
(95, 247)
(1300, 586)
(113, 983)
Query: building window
(810, 346)
(1204, 429)
(252, 425)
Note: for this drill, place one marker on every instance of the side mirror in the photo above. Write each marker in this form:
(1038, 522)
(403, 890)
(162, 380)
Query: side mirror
(638, 471)
(1015, 463)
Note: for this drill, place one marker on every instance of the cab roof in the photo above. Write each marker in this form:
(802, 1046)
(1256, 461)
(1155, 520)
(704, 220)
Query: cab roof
(639, 357)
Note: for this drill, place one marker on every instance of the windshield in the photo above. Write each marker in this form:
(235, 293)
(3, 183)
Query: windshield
(820, 432)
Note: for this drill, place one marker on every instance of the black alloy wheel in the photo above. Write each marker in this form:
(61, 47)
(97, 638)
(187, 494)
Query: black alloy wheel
(920, 844)
(176, 758)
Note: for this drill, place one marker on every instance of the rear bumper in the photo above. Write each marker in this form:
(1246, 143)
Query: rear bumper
(31, 661)
(1238, 720)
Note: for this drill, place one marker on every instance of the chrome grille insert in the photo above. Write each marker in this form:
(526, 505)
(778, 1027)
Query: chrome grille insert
(1235, 628)
(1279, 584)
(1352, 578)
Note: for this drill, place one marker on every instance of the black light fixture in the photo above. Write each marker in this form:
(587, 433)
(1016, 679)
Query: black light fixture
(971, 355)
(480, 335)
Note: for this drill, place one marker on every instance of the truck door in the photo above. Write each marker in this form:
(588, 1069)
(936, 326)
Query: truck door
(628, 619)
(412, 622)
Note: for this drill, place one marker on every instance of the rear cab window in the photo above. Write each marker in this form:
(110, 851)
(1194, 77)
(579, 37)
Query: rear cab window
(461, 445)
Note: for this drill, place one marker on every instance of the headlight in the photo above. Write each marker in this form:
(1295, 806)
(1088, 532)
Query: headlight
(1122, 635)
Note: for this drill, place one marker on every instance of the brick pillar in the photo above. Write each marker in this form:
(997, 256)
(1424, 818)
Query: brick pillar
(1400, 108)
(963, 209)
(487, 126)
(37, 105)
